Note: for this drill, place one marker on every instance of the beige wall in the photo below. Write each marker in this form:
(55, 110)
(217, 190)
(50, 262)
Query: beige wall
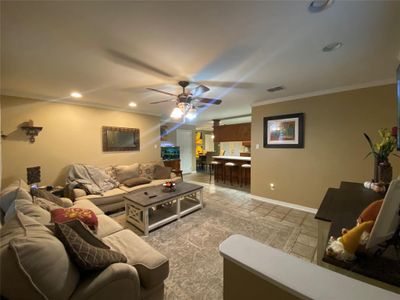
(334, 144)
(71, 134)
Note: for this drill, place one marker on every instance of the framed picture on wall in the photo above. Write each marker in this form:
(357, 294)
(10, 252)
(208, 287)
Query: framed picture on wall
(284, 131)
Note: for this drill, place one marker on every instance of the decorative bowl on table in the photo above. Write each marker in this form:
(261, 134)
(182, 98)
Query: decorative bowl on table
(169, 186)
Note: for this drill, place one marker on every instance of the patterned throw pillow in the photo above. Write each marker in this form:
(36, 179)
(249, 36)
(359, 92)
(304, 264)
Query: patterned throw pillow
(110, 171)
(45, 204)
(86, 256)
(85, 233)
(62, 215)
(147, 170)
(49, 197)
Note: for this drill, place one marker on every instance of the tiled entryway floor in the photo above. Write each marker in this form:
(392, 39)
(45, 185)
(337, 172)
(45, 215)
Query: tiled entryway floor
(191, 243)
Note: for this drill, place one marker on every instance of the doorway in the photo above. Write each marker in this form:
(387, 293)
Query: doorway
(184, 139)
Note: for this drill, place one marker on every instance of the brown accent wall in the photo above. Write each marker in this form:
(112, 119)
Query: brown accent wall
(232, 133)
(334, 144)
(71, 134)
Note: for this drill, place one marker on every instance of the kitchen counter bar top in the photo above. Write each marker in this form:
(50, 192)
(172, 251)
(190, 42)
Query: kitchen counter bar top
(244, 158)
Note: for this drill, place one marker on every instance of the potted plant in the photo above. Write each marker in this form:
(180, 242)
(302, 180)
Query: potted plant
(382, 169)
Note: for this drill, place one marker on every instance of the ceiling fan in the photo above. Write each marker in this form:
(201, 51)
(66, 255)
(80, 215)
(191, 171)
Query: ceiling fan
(187, 102)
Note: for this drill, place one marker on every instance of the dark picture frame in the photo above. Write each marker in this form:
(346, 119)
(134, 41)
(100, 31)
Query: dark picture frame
(120, 139)
(284, 131)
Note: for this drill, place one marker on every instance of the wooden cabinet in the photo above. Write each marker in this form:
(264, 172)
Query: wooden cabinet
(231, 133)
(175, 164)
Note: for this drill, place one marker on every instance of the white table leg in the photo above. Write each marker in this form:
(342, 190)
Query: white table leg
(146, 221)
(201, 198)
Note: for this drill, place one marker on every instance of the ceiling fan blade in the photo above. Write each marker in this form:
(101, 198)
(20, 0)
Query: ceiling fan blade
(197, 91)
(159, 91)
(163, 101)
(210, 100)
(132, 62)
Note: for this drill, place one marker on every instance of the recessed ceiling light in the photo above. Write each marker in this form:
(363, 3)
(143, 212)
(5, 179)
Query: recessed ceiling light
(332, 46)
(319, 5)
(132, 104)
(76, 95)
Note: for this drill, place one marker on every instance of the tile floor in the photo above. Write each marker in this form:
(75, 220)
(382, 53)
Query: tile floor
(191, 243)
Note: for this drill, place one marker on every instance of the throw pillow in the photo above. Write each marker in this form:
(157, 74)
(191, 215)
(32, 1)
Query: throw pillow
(9, 194)
(136, 181)
(110, 171)
(86, 256)
(126, 172)
(45, 204)
(62, 215)
(147, 170)
(85, 233)
(161, 172)
(50, 197)
(29, 209)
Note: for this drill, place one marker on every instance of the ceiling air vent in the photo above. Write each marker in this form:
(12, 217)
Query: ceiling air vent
(275, 89)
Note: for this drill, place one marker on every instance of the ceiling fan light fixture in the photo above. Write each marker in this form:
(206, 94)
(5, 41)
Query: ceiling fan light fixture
(176, 113)
(191, 114)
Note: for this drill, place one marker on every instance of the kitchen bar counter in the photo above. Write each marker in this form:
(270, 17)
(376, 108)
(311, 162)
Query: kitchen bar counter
(244, 158)
(241, 177)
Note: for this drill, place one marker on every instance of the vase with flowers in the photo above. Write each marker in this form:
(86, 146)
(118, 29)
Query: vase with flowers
(383, 171)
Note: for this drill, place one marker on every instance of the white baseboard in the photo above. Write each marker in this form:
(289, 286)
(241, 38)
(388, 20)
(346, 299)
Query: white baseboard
(286, 204)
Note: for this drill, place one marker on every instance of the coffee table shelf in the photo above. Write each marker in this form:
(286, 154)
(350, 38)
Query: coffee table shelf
(168, 206)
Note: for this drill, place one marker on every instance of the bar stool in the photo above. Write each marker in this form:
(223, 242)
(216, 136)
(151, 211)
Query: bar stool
(244, 170)
(213, 168)
(231, 166)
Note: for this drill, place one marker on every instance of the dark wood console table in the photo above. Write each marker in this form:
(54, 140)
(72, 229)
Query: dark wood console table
(339, 209)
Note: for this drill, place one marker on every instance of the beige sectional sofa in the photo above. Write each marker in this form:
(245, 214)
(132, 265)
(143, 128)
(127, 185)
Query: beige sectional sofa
(112, 199)
(35, 265)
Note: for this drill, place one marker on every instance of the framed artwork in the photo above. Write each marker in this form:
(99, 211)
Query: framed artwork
(120, 139)
(285, 131)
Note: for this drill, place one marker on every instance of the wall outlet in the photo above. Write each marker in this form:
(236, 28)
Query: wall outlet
(272, 186)
(155, 146)
(257, 146)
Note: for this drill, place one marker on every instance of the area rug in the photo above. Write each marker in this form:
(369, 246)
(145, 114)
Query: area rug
(191, 243)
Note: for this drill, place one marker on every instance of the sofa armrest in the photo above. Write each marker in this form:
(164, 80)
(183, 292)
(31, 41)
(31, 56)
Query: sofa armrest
(76, 193)
(117, 279)
(66, 202)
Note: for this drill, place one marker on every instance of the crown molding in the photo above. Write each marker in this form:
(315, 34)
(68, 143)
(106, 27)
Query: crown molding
(326, 92)
(80, 103)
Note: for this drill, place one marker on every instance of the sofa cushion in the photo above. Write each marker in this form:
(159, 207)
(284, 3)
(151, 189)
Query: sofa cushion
(136, 181)
(152, 266)
(107, 226)
(126, 172)
(147, 170)
(34, 262)
(62, 215)
(85, 255)
(84, 203)
(114, 195)
(161, 172)
(9, 194)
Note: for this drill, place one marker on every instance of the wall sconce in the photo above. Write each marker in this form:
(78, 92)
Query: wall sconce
(30, 130)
